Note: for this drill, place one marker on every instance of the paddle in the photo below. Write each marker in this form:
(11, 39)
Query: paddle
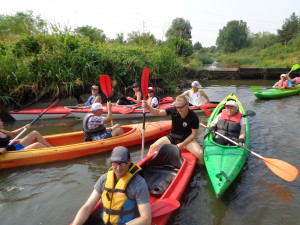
(145, 84)
(32, 122)
(294, 67)
(282, 169)
(164, 206)
(106, 87)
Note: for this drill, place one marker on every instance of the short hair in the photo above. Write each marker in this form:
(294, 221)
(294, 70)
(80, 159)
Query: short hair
(181, 98)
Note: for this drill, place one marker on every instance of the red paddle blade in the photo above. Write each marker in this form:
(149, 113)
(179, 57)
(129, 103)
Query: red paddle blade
(145, 82)
(282, 169)
(164, 206)
(105, 84)
(205, 110)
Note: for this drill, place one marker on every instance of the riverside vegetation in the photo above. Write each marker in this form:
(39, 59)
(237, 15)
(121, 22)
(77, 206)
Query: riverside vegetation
(43, 61)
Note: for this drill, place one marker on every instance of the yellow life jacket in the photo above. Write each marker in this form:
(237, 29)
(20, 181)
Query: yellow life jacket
(117, 208)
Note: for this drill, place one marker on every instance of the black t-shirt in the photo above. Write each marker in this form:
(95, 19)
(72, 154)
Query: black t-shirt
(182, 127)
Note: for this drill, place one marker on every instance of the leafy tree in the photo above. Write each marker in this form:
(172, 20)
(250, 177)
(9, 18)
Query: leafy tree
(94, 34)
(262, 40)
(120, 38)
(180, 28)
(197, 45)
(289, 29)
(181, 47)
(12, 27)
(144, 39)
(233, 37)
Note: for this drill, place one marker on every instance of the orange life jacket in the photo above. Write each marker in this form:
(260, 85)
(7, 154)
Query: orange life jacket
(283, 83)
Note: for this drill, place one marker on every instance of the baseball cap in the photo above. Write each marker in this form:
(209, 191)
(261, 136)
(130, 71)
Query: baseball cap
(283, 75)
(120, 154)
(96, 106)
(95, 87)
(196, 84)
(135, 85)
(151, 89)
(232, 103)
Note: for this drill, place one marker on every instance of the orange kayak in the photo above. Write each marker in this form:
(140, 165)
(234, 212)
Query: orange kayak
(71, 145)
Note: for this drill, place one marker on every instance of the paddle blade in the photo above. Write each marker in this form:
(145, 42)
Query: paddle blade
(164, 206)
(105, 84)
(295, 67)
(205, 110)
(282, 169)
(256, 89)
(145, 82)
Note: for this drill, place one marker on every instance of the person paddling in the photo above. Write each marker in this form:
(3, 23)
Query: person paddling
(283, 83)
(196, 95)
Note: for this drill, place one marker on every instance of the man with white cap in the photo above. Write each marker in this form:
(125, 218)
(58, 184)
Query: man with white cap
(283, 83)
(230, 123)
(93, 124)
(195, 94)
(95, 97)
(124, 193)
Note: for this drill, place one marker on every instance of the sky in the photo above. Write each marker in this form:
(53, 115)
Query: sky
(206, 17)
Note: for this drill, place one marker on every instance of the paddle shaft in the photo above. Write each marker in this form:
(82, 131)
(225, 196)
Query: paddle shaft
(145, 85)
(32, 122)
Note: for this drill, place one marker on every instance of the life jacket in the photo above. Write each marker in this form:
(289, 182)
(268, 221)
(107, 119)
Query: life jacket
(195, 98)
(101, 129)
(117, 207)
(229, 126)
(91, 99)
(283, 83)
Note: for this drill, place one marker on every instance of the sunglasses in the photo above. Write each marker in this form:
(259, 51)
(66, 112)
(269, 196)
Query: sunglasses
(116, 164)
(150, 91)
(180, 107)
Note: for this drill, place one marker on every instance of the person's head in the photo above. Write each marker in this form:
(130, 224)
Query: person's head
(283, 77)
(182, 104)
(135, 86)
(231, 107)
(151, 91)
(95, 89)
(120, 161)
(196, 85)
(97, 108)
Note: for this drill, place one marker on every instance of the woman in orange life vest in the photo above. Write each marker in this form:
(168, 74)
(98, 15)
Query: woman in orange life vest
(295, 81)
(283, 83)
(230, 123)
(152, 100)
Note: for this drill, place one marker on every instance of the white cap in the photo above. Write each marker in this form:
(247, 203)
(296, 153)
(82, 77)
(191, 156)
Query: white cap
(196, 84)
(96, 106)
(95, 87)
(232, 103)
(283, 75)
(151, 89)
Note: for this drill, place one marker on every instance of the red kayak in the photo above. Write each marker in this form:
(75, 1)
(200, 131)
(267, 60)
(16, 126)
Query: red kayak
(126, 112)
(65, 111)
(167, 175)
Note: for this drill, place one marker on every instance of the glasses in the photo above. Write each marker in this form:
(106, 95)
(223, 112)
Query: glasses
(150, 91)
(181, 107)
(116, 164)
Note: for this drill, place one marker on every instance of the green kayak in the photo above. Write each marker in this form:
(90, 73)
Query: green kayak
(277, 93)
(224, 163)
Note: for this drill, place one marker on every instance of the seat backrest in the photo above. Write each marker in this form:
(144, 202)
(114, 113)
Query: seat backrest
(167, 155)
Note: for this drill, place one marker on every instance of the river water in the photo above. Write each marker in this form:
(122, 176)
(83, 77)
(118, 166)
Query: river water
(52, 193)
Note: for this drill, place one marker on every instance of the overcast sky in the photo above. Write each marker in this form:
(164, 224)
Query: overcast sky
(206, 17)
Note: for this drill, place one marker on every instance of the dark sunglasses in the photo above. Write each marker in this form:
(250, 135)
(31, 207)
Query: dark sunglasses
(150, 91)
(180, 107)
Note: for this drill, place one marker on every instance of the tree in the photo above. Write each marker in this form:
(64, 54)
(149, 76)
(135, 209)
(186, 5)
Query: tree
(262, 40)
(145, 39)
(181, 47)
(197, 46)
(180, 28)
(94, 34)
(12, 27)
(233, 37)
(289, 29)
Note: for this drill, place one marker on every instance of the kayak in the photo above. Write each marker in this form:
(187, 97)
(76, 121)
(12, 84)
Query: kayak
(277, 93)
(71, 145)
(65, 111)
(224, 163)
(128, 112)
(167, 175)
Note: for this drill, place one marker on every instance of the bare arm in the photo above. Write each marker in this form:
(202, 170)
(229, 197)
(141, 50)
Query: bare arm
(190, 138)
(186, 93)
(145, 215)
(98, 99)
(108, 117)
(204, 95)
(138, 98)
(153, 111)
(15, 132)
(84, 212)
